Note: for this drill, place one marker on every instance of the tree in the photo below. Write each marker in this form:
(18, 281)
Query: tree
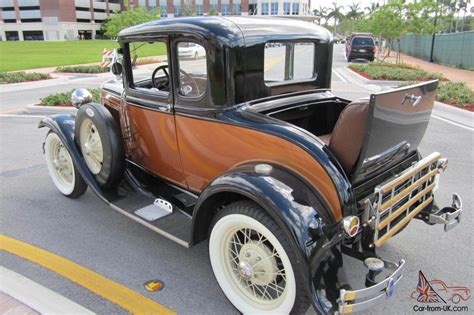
(355, 12)
(372, 8)
(321, 13)
(130, 17)
(335, 14)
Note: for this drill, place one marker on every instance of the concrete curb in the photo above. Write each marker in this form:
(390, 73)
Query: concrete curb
(48, 110)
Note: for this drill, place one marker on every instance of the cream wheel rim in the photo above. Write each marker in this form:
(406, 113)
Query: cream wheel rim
(60, 164)
(91, 146)
(251, 266)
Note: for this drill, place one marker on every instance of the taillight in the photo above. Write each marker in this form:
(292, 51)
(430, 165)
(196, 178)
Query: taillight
(373, 50)
(351, 225)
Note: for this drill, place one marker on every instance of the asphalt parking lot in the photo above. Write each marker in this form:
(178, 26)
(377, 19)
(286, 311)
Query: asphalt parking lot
(93, 235)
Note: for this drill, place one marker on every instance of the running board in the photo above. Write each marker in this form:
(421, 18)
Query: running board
(158, 215)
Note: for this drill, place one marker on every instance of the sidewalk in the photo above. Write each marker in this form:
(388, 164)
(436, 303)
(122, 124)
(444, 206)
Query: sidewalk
(451, 73)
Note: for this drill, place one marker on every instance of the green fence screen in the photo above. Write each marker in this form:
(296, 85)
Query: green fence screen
(455, 49)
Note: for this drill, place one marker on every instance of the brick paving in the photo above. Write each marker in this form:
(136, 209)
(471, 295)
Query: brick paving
(11, 306)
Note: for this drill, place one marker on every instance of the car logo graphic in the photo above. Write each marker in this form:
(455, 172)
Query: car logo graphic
(432, 291)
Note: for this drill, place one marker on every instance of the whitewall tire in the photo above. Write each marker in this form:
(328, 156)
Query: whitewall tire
(250, 263)
(61, 168)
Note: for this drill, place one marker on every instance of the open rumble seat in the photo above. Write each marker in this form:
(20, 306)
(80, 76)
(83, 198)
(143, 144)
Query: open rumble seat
(347, 138)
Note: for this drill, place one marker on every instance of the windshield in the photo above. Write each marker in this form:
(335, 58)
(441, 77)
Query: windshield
(363, 41)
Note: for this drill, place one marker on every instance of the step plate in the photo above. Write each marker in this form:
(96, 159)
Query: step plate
(159, 209)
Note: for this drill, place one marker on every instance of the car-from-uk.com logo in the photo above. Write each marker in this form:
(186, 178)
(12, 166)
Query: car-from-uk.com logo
(437, 296)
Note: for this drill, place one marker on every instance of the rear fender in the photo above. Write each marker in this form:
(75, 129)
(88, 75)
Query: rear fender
(63, 126)
(303, 216)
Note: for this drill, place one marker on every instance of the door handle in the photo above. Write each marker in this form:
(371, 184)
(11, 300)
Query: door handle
(413, 98)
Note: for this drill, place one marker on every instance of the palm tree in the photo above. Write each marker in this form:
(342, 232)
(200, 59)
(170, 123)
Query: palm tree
(372, 8)
(336, 14)
(321, 13)
(354, 12)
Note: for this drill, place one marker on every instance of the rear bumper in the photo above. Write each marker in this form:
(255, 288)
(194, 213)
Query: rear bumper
(359, 300)
(363, 55)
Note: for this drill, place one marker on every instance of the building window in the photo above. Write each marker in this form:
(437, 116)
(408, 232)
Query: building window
(9, 21)
(264, 8)
(30, 20)
(33, 35)
(83, 20)
(9, 9)
(82, 9)
(274, 8)
(11, 35)
(296, 8)
(237, 9)
(252, 9)
(286, 8)
(199, 9)
(225, 9)
(99, 10)
(164, 11)
(29, 8)
(177, 10)
(214, 8)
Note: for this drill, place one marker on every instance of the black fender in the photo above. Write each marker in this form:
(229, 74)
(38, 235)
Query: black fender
(296, 207)
(63, 125)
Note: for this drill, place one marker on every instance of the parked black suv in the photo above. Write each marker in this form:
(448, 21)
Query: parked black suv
(360, 46)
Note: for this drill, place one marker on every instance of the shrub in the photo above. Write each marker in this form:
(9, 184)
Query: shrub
(383, 72)
(82, 69)
(454, 93)
(15, 77)
(64, 98)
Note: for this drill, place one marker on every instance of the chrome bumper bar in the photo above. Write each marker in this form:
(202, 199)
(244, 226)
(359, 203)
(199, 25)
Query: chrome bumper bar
(359, 300)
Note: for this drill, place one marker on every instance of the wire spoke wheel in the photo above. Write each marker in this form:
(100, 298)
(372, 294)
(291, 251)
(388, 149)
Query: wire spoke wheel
(251, 265)
(91, 146)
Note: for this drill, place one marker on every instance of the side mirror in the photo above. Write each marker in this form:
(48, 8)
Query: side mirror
(80, 97)
(116, 68)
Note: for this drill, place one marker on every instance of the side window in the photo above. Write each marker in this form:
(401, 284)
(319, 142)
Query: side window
(192, 69)
(288, 62)
(149, 61)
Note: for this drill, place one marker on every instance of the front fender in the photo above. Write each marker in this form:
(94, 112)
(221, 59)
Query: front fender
(303, 216)
(63, 125)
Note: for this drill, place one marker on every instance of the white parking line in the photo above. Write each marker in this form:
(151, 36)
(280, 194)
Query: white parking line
(452, 122)
(339, 76)
(23, 116)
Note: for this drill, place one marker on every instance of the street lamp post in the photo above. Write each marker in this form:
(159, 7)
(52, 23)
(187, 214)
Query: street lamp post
(434, 33)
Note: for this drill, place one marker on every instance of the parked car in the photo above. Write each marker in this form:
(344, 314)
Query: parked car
(191, 50)
(251, 151)
(360, 46)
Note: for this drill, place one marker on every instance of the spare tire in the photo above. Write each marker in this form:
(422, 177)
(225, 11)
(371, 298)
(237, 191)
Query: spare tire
(99, 139)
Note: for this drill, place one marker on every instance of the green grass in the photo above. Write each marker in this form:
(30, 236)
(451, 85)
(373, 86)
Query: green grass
(15, 77)
(393, 72)
(56, 99)
(30, 55)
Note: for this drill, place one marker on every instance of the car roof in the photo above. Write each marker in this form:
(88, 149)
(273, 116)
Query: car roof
(234, 30)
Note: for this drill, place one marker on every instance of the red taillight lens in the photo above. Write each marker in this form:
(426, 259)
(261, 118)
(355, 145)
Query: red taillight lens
(351, 225)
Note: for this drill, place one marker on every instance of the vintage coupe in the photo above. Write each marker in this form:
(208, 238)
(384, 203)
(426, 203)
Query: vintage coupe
(247, 147)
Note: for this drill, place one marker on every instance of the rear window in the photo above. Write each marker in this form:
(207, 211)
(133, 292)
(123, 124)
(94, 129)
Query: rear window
(363, 41)
(286, 62)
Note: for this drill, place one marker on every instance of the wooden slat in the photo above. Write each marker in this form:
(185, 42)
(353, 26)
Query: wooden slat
(408, 190)
(405, 206)
(402, 223)
(419, 166)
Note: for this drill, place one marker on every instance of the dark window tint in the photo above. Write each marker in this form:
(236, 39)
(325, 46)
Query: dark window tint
(363, 41)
